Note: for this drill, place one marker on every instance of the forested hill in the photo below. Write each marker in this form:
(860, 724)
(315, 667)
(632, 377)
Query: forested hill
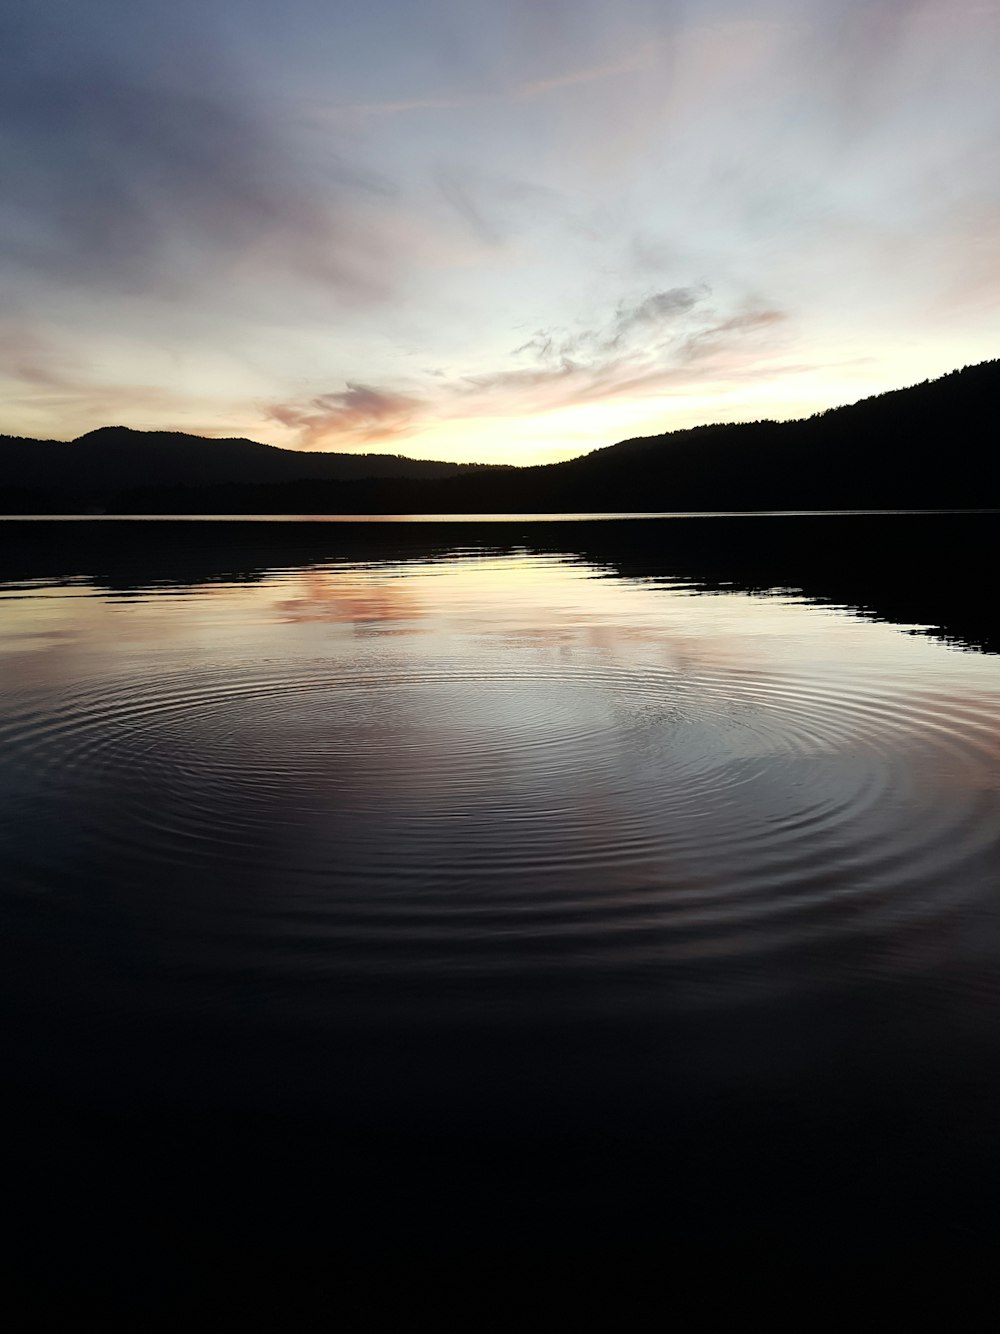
(935, 444)
(929, 446)
(118, 456)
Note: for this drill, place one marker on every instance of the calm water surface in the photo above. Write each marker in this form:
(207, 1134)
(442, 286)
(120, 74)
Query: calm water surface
(543, 889)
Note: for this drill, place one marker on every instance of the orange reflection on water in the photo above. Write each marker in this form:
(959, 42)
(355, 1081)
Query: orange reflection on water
(323, 595)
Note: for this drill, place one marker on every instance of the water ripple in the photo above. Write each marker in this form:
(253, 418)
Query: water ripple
(394, 822)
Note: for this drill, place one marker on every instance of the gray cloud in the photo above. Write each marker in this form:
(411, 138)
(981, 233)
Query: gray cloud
(857, 49)
(497, 206)
(456, 187)
(727, 347)
(198, 225)
(632, 319)
(120, 181)
(657, 309)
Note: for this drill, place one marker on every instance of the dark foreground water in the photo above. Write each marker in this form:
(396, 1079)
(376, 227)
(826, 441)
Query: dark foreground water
(522, 895)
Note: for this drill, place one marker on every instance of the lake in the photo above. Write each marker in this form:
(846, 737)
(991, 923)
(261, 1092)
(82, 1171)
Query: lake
(522, 888)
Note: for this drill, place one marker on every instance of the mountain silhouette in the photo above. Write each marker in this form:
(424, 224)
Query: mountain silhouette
(929, 446)
(115, 459)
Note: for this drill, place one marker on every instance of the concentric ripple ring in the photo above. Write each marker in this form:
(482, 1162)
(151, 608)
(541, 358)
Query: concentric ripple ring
(407, 820)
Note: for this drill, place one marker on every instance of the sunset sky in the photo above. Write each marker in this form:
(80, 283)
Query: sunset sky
(508, 231)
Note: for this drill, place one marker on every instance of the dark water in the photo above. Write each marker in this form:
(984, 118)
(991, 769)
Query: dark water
(408, 892)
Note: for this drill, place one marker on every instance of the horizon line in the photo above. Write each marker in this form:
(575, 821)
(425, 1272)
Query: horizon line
(478, 463)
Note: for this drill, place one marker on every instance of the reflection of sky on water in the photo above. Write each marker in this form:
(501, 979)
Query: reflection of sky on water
(473, 606)
(511, 690)
(501, 846)
(437, 796)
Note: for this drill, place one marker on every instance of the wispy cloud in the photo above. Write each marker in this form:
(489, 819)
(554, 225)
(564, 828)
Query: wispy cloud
(458, 190)
(44, 378)
(519, 90)
(640, 59)
(709, 340)
(208, 207)
(355, 414)
(566, 369)
(643, 318)
(116, 182)
(656, 310)
(27, 359)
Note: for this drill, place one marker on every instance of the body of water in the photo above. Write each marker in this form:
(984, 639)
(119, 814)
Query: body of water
(582, 887)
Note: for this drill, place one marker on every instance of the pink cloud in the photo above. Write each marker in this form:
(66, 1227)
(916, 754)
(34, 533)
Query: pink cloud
(639, 352)
(354, 414)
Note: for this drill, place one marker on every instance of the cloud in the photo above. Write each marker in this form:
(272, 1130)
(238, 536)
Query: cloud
(640, 59)
(119, 181)
(45, 378)
(657, 309)
(632, 320)
(353, 415)
(26, 358)
(569, 369)
(522, 90)
(708, 340)
(456, 187)
(497, 205)
(864, 53)
(310, 219)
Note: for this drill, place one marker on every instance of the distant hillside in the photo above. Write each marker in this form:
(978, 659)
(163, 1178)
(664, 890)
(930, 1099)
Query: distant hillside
(932, 445)
(96, 469)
